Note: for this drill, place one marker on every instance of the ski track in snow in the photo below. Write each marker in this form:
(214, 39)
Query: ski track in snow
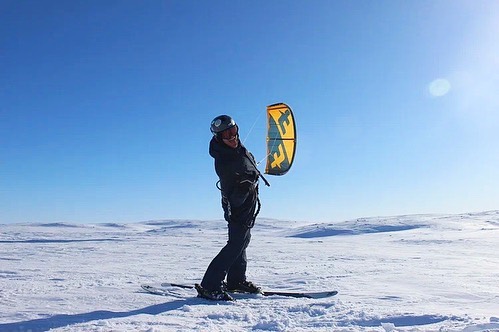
(401, 273)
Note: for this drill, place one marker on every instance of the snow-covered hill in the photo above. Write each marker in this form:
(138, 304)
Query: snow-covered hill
(402, 273)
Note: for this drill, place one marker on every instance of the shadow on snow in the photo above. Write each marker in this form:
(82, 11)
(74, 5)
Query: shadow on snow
(401, 321)
(62, 320)
(59, 241)
(45, 324)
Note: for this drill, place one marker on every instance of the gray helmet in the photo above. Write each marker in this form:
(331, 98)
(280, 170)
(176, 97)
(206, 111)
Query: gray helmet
(221, 123)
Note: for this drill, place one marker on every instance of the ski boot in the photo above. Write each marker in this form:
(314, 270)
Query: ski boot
(244, 287)
(214, 295)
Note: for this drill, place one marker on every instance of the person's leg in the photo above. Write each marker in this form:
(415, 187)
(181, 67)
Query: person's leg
(237, 271)
(231, 253)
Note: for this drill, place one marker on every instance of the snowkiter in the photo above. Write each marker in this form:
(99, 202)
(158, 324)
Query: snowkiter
(238, 174)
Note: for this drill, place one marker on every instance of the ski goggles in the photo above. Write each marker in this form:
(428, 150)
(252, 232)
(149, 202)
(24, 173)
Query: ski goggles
(229, 133)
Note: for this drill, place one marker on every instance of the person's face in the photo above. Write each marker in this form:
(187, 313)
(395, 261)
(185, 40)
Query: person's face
(230, 137)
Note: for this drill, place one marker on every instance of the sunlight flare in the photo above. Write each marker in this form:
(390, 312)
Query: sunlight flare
(439, 87)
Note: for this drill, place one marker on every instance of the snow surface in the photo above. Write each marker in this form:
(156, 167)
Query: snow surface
(403, 273)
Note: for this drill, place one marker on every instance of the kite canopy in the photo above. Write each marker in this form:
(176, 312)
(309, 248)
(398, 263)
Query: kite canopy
(281, 139)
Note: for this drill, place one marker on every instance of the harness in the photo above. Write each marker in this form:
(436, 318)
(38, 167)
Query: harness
(225, 199)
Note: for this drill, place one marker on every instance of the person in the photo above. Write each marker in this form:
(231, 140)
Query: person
(238, 179)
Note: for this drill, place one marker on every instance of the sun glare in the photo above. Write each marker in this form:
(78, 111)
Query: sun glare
(439, 87)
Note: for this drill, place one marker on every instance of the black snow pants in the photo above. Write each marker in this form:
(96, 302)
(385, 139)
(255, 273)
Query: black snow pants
(231, 260)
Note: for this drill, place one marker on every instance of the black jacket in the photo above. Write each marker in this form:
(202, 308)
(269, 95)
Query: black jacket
(238, 181)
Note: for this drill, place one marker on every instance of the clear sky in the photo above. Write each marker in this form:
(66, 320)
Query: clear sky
(105, 106)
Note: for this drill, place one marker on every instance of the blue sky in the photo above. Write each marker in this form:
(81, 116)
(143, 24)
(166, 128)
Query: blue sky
(105, 106)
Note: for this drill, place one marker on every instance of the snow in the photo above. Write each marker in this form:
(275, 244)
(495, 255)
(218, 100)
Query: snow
(401, 273)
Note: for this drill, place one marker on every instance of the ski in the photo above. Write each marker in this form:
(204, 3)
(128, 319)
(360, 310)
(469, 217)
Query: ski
(161, 291)
(308, 295)
(167, 289)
